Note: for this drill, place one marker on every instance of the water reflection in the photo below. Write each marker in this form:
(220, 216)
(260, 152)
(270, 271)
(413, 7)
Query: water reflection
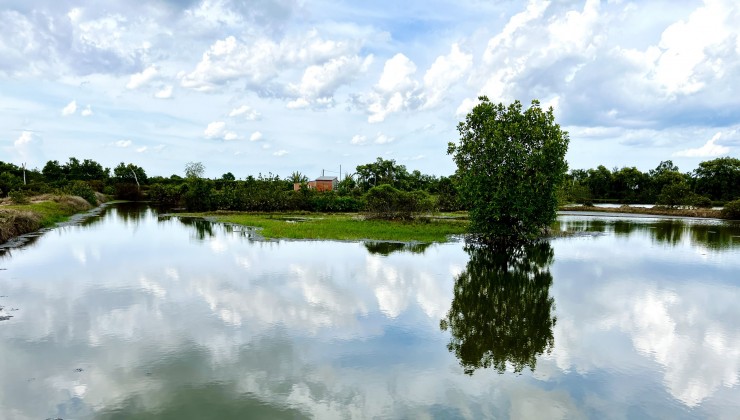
(203, 228)
(712, 234)
(387, 248)
(501, 313)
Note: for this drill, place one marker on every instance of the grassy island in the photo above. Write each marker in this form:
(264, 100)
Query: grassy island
(346, 226)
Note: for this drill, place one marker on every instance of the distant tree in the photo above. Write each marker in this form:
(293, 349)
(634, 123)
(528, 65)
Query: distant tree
(194, 170)
(719, 178)
(297, 177)
(228, 176)
(600, 181)
(130, 173)
(510, 163)
(382, 172)
(53, 171)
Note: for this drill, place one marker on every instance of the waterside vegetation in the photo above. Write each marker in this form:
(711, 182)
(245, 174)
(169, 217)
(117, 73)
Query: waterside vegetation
(39, 212)
(345, 226)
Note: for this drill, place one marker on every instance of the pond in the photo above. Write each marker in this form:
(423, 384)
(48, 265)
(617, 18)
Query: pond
(135, 315)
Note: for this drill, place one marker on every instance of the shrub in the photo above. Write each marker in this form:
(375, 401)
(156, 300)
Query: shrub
(82, 189)
(386, 202)
(701, 201)
(18, 197)
(731, 210)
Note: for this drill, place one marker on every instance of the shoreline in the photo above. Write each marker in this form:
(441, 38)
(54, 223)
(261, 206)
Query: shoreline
(647, 212)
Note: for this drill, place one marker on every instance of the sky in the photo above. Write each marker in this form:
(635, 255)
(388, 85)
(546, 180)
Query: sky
(278, 86)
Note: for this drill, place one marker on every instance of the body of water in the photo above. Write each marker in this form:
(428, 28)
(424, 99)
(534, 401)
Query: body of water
(134, 315)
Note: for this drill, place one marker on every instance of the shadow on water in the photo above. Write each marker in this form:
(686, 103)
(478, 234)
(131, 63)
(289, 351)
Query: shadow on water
(387, 248)
(501, 312)
(710, 234)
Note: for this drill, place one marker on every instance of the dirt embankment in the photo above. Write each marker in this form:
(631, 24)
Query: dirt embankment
(658, 211)
(16, 220)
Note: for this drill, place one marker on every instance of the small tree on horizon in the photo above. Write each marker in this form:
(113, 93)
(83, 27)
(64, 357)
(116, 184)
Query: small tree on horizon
(510, 164)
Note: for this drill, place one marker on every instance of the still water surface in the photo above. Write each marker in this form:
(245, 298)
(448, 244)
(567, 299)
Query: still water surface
(132, 315)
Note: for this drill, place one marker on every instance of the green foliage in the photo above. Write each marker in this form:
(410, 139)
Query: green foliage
(82, 189)
(701, 201)
(386, 202)
(731, 210)
(199, 195)
(166, 195)
(510, 165)
(680, 194)
(501, 311)
(18, 197)
(718, 178)
(674, 195)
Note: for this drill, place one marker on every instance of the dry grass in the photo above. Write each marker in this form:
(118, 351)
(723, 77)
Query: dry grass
(42, 211)
(17, 222)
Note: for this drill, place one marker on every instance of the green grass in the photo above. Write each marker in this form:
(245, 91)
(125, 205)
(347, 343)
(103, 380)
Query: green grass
(50, 212)
(344, 227)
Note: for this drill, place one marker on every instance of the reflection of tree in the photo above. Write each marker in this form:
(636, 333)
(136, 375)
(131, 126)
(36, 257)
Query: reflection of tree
(387, 248)
(203, 228)
(502, 309)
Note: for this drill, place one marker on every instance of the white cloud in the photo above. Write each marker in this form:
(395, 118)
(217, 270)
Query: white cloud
(70, 109)
(140, 79)
(245, 111)
(395, 91)
(383, 139)
(298, 104)
(164, 93)
(281, 152)
(141, 149)
(215, 129)
(256, 136)
(260, 60)
(87, 111)
(230, 135)
(26, 137)
(123, 143)
(445, 71)
(319, 82)
(358, 139)
(709, 149)
(28, 147)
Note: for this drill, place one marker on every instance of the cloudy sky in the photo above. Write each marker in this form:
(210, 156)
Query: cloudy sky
(279, 86)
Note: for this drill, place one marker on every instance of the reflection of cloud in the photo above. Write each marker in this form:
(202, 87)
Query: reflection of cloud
(687, 327)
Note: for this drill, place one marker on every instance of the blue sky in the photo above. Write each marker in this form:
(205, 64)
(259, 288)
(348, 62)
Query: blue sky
(286, 85)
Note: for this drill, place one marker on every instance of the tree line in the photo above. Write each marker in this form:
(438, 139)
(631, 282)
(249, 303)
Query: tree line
(712, 182)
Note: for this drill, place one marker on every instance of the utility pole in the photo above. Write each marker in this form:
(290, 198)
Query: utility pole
(24, 172)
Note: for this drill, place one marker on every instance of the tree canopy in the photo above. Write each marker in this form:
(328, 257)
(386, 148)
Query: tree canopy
(510, 164)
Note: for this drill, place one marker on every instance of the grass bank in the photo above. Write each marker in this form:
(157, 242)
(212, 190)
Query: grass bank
(40, 212)
(656, 211)
(344, 226)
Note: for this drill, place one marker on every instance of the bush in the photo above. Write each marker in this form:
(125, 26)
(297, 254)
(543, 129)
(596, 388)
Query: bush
(82, 189)
(386, 202)
(18, 197)
(701, 201)
(731, 210)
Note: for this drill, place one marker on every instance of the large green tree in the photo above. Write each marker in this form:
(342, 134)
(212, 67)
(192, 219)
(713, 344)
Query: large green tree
(510, 163)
